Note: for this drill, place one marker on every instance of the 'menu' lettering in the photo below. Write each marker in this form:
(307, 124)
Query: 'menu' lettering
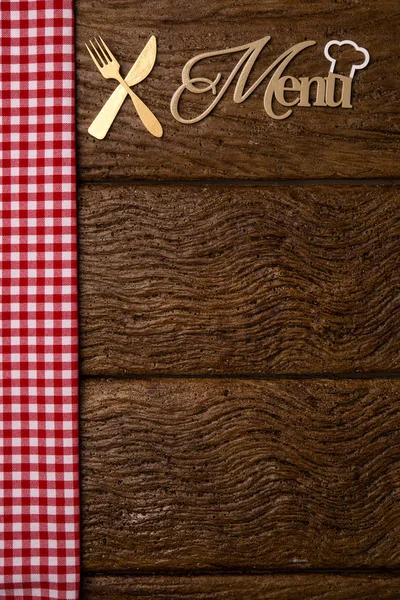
(334, 90)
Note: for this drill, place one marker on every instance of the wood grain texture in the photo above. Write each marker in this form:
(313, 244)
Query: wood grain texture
(248, 280)
(265, 587)
(235, 474)
(241, 141)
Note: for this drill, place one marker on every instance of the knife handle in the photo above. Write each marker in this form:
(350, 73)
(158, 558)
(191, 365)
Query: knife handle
(102, 123)
(148, 118)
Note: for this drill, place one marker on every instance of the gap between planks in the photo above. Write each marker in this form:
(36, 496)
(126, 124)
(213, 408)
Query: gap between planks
(249, 376)
(242, 182)
(239, 572)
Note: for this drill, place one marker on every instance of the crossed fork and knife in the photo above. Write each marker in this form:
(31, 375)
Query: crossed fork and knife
(109, 67)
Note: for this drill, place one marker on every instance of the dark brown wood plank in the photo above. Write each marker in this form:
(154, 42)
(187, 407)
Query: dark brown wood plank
(254, 280)
(235, 474)
(241, 141)
(251, 587)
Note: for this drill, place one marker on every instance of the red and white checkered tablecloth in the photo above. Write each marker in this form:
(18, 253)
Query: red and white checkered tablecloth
(39, 492)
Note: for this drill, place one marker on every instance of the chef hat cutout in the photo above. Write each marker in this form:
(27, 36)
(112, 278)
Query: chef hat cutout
(354, 67)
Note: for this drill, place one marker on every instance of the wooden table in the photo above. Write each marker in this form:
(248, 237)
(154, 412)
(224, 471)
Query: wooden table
(239, 314)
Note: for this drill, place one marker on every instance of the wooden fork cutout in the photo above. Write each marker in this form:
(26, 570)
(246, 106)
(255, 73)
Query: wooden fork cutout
(109, 67)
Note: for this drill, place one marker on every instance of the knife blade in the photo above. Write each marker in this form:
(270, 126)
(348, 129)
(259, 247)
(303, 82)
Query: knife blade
(139, 71)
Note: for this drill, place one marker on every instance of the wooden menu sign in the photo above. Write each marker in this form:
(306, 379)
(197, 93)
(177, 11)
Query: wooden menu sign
(239, 277)
(333, 91)
(279, 110)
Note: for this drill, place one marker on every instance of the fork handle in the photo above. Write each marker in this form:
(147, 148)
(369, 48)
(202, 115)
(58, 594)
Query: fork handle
(148, 119)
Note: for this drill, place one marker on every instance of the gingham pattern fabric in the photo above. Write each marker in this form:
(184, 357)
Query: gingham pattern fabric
(39, 520)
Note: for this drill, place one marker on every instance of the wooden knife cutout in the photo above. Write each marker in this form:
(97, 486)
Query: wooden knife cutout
(139, 71)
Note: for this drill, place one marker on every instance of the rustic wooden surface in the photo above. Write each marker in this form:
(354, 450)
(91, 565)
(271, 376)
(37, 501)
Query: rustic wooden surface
(229, 485)
(248, 280)
(237, 474)
(265, 587)
(241, 141)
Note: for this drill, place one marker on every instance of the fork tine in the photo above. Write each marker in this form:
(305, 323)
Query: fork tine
(108, 49)
(99, 57)
(93, 58)
(103, 54)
